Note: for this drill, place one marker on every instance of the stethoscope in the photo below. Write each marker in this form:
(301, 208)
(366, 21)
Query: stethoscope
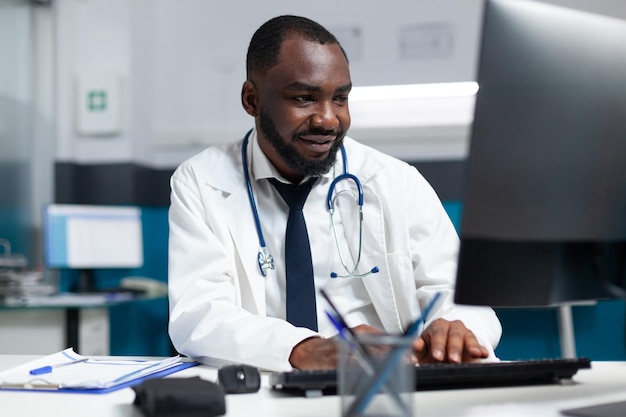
(266, 260)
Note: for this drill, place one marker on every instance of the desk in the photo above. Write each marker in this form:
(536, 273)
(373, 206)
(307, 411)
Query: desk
(605, 382)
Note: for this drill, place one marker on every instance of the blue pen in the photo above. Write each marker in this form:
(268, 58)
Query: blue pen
(352, 341)
(363, 401)
(49, 368)
(412, 330)
(337, 325)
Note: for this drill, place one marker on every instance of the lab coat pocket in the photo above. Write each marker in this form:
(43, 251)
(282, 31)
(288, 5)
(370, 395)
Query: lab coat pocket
(392, 290)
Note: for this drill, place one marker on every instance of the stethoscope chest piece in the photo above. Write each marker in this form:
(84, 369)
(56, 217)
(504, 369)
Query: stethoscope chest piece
(266, 260)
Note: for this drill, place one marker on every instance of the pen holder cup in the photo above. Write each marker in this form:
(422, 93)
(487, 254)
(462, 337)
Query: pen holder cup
(376, 376)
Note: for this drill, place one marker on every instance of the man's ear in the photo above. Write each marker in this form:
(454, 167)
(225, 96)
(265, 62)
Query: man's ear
(249, 98)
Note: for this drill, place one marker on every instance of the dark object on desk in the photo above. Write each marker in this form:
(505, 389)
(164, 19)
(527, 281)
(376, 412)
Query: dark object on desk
(180, 397)
(616, 409)
(448, 375)
(239, 379)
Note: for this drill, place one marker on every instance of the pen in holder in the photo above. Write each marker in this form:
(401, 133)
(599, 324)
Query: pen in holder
(385, 392)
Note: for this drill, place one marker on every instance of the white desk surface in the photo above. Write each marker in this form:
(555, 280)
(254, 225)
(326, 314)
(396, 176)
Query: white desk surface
(605, 382)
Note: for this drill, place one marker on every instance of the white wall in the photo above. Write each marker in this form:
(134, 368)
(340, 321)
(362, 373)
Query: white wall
(183, 62)
(201, 55)
(92, 36)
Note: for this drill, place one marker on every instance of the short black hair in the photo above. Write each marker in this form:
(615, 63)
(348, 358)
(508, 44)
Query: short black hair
(266, 42)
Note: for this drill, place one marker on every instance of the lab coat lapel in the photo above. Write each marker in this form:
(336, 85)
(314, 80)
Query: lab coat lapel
(240, 223)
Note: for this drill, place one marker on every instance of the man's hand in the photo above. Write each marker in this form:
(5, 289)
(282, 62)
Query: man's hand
(320, 353)
(314, 353)
(448, 341)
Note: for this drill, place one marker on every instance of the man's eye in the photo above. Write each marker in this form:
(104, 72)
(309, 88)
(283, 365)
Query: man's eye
(341, 99)
(303, 99)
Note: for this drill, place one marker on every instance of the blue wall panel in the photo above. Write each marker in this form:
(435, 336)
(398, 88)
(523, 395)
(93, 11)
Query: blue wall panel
(141, 328)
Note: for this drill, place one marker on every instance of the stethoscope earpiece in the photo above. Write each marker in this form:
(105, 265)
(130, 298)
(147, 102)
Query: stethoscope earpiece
(374, 270)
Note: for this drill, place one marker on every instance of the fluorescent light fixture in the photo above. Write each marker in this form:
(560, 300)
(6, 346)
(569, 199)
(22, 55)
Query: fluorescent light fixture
(413, 91)
(416, 121)
(400, 106)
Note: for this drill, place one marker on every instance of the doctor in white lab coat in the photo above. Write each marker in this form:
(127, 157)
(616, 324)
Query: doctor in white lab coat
(223, 309)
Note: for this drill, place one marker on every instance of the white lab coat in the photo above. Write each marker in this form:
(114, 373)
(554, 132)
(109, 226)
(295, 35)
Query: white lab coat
(217, 293)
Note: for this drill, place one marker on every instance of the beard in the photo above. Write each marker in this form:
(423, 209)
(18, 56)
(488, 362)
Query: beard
(289, 153)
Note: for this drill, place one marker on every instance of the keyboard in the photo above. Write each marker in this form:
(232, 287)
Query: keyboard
(447, 375)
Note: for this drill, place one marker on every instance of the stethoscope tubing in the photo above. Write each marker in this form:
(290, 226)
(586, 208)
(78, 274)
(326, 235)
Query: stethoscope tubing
(264, 258)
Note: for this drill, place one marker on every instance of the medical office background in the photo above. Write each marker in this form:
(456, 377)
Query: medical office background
(173, 71)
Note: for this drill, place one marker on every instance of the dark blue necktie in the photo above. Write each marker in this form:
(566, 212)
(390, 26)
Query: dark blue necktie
(301, 310)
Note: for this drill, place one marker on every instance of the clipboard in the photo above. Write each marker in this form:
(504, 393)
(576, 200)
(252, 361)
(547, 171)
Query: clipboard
(66, 371)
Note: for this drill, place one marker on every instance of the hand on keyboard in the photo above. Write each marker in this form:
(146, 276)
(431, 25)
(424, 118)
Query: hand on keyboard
(448, 341)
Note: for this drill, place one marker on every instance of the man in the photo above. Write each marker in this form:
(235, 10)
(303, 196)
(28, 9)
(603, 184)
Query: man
(224, 308)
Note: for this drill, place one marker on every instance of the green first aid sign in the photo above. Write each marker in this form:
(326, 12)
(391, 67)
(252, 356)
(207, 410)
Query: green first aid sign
(97, 100)
(99, 104)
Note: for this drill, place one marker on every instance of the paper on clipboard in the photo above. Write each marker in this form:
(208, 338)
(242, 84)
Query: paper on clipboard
(87, 375)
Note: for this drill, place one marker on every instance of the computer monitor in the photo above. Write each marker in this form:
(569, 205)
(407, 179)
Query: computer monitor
(544, 214)
(89, 237)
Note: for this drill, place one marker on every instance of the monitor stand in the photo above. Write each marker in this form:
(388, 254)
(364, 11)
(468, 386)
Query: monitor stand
(566, 331)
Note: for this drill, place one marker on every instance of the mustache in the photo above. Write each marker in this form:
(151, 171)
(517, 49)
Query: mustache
(322, 132)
